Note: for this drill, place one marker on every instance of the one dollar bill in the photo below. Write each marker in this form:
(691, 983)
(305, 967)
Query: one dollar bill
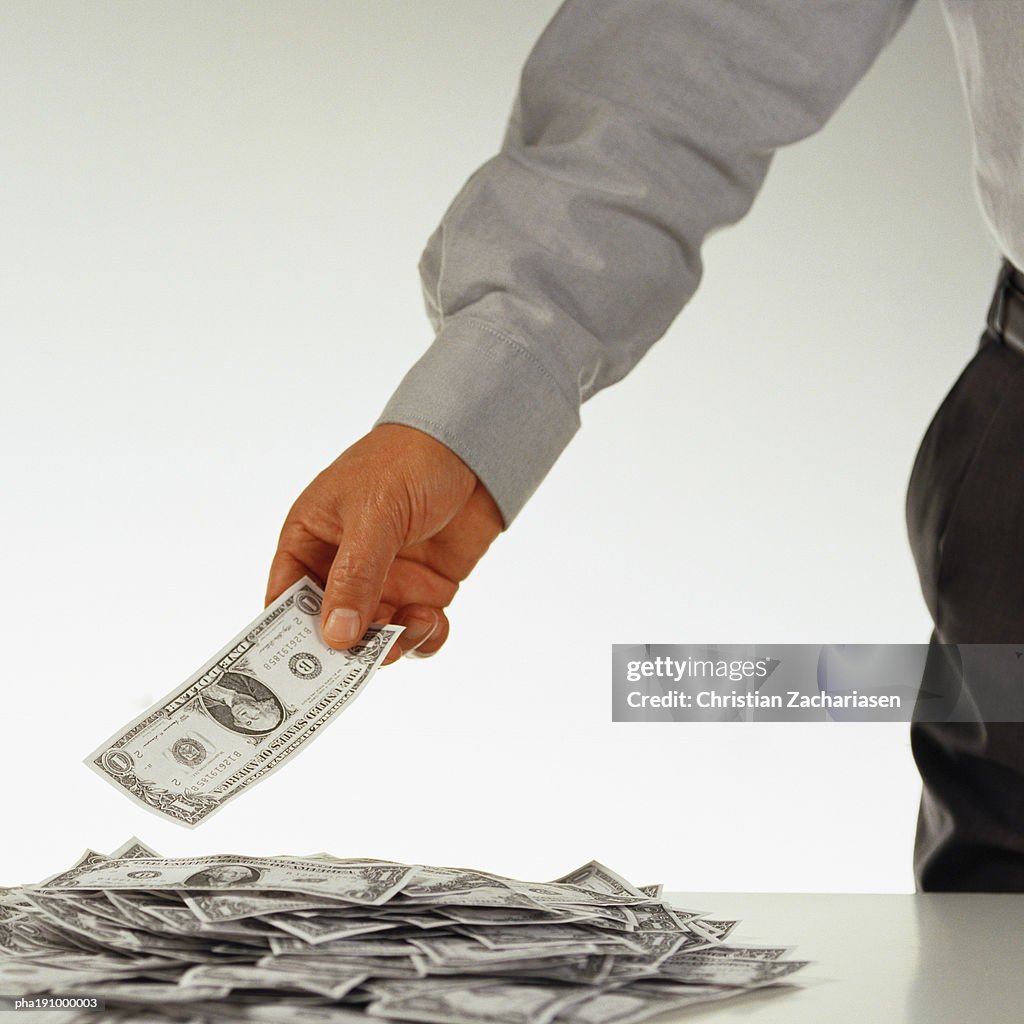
(241, 716)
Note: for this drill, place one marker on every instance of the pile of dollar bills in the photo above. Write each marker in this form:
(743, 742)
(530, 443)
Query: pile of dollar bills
(318, 938)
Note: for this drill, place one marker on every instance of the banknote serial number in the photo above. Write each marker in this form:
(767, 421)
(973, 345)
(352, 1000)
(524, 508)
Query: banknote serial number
(287, 647)
(215, 770)
(53, 1003)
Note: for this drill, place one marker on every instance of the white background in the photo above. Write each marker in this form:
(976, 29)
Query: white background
(211, 216)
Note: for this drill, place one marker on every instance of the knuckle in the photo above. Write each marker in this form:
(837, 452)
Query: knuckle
(353, 571)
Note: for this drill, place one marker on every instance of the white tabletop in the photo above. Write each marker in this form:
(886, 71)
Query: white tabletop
(936, 958)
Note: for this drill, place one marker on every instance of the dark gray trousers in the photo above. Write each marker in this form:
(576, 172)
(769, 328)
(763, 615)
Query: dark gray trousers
(965, 518)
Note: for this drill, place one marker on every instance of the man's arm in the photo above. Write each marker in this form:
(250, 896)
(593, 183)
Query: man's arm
(640, 127)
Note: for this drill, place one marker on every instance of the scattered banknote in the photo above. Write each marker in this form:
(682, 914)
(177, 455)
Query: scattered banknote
(241, 716)
(321, 939)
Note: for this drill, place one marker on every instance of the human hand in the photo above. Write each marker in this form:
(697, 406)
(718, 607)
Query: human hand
(389, 529)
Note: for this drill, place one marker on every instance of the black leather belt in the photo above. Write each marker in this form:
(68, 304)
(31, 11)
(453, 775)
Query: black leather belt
(1006, 314)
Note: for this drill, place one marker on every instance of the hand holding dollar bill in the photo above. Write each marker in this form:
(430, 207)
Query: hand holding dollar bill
(243, 714)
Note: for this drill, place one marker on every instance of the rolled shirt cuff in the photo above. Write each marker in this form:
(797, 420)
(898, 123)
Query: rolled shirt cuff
(492, 402)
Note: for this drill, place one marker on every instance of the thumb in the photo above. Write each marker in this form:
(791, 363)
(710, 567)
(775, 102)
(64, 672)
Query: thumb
(355, 582)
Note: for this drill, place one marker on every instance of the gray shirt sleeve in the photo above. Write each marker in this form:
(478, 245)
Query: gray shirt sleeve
(640, 127)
